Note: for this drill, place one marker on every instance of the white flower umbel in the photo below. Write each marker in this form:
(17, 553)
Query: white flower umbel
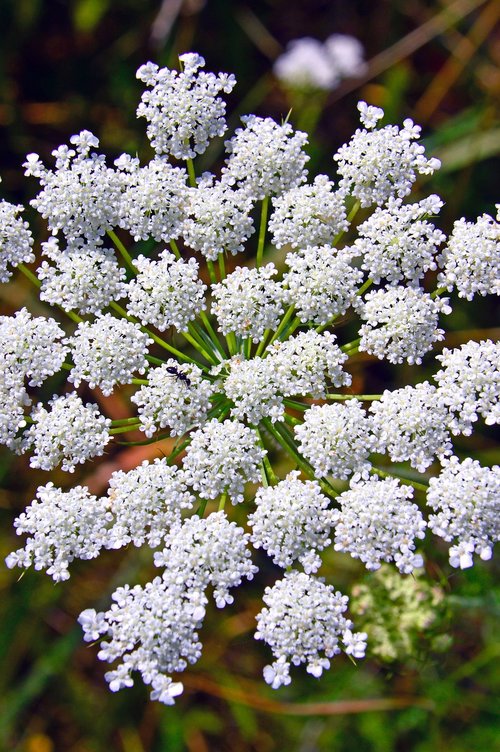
(303, 622)
(248, 302)
(310, 64)
(265, 159)
(152, 629)
(377, 522)
(108, 352)
(411, 424)
(304, 363)
(221, 458)
(346, 53)
(466, 498)
(309, 215)
(217, 219)
(397, 243)
(84, 278)
(81, 197)
(166, 292)
(321, 283)
(182, 109)
(292, 522)
(68, 434)
(207, 551)
(254, 388)
(176, 396)
(336, 439)
(469, 384)
(62, 525)
(154, 199)
(379, 163)
(145, 503)
(471, 259)
(16, 240)
(401, 323)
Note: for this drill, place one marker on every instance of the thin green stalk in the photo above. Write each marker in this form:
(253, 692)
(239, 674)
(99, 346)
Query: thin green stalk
(199, 345)
(124, 429)
(222, 502)
(360, 397)
(295, 405)
(282, 325)
(123, 251)
(364, 287)
(351, 347)
(222, 266)
(267, 470)
(350, 217)
(191, 172)
(247, 348)
(439, 291)
(262, 231)
(140, 382)
(232, 344)
(407, 481)
(123, 421)
(292, 421)
(212, 334)
(211, 272)
(262, 343)
(175, 250)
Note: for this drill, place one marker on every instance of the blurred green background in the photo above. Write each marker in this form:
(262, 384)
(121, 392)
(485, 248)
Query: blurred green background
(65, 66)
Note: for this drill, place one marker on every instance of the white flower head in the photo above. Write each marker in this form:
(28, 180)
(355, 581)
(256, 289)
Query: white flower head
(16, 240)
(221, 458)
(183, 109)
(377, 522)
(108, 352)
(310, 64)
(466, 499)
(255, 389)
(166, 292)
(471, 259)
(265, 159)
(176, 396)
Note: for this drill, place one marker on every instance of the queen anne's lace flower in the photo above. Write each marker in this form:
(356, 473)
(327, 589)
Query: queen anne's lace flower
(176, 396)
(265, 159)
(82, 196)
(248, 301)
(397, 242)
(471, 258)
(411, 424)
(469, 384)
(292, 522)
(378, 164)
(304, 622)
(145, 503)
(221, 458)
(83, 278)
(16, 240)
(166, 292)
(154, 199)
(69, 433)
(255, 390)
(217, 218)
(321, 283)
(466, 498)
(62, 525)
(309, 215)
(108, 352)
(182, 109)
(401, 323)
(208, 551)
(336, 439)
(378, 522)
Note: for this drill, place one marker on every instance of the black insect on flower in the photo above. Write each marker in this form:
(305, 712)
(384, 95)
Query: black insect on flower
(178, 375)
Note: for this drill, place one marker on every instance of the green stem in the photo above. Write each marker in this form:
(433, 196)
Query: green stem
(351, 347)
(262, 343)
(212, 334)
(199, 345)
(191, 172)
(222, 502)
(267, 473)
(201, 509)
(123, 421)
(222, 266)
(262, 230)
(282, 325)
(407, 481)
(175, 250)
(354, 210)
(364, 287)
(140, 382)
(123, 251)
(361, 397)
(439, 291)
(293, 421)
(124, 429)
(211, 272)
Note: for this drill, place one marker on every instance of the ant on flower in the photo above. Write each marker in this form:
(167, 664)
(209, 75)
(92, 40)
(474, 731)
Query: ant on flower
(178, 375)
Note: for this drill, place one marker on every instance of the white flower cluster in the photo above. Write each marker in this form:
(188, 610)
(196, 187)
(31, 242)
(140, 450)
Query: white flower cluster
(64, 525)
(304, 622)
(217, 218)
(292, 522)
(310, 64)
(466, 498)
(255, 390)
(108, 352)
(397, 242)
(84, 278)
(377, 522)
(378, 164)
(471, 258)
(182, 109)
(469, 384)
(166, 292)
(321, 283)
(337, 439)
(68, 434)
(16, 240)
(401, 323)
(265, 159)
(248, 302)
(310, 215)
(221, 458)
(176, 396)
